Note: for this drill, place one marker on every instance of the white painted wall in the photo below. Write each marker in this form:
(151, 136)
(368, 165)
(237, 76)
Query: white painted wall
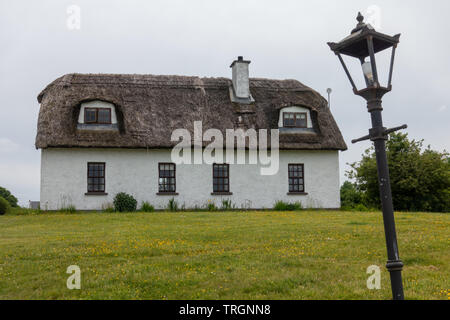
(295, 109)
(97, 104)
(64, 179)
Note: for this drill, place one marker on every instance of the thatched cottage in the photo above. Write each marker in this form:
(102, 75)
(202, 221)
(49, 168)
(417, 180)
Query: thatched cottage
(101, 134)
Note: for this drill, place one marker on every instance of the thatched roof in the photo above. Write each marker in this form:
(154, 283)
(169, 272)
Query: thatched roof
(150, 107)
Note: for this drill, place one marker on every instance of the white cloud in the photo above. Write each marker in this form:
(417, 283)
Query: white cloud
(442, 108)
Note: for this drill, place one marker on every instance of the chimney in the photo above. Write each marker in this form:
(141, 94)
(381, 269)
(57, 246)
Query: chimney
(241, 85)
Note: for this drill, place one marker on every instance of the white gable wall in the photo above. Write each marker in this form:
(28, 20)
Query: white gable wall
(135, 171)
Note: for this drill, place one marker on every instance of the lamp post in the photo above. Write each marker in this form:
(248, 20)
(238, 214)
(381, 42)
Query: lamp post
(364, 42)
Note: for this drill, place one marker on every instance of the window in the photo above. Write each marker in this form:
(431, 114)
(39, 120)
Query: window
(104, 115)
(90, 115)
(296, 178)
(97, 115)
(96, 177)
(167, 179)
(221, 177)
(294, 119)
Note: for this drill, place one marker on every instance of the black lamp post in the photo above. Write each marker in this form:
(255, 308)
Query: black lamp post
(364, 42)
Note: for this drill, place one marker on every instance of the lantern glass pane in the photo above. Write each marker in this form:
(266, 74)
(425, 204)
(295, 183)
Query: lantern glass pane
(367, 70)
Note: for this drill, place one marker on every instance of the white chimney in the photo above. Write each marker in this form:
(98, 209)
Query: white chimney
(240, 79)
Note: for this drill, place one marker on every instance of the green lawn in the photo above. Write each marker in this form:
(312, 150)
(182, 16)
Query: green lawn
(219, 255)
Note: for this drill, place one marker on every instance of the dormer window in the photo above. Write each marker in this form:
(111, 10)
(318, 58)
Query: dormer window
(97, 116)
(295, 120)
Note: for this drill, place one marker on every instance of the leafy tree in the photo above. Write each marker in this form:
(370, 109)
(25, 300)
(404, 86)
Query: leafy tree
(420, 179)
(4, 193)
(4, 206)
(351, 197)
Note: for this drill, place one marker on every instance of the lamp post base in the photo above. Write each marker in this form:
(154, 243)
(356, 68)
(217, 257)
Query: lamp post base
(395, 273)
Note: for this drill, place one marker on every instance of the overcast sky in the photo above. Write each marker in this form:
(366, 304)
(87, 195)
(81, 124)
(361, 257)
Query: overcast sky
(40, 41)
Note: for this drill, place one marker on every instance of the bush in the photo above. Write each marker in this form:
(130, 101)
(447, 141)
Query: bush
(227, 204)
(4, 206)
(124, 202)
(69, 209)
(351, 197)
(211, 206)
(284, 206)
(360, 207)
(5, 194)
(147, 207)
(19, 211)
(172, 205)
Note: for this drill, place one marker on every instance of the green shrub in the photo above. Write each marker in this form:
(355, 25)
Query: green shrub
(211, 206)
(69, 209)
(360, 207)
(285, 206)
(5, 194)
(19, 211)
(172, 205)
(124, 202)
(4, 206)
(147, 207)
(227, 204)
(351, 196)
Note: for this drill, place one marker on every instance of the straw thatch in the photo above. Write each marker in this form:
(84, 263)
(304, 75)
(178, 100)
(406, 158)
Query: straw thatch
(150, 107)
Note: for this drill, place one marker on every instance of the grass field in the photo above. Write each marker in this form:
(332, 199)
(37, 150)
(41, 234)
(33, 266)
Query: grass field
(219, 255)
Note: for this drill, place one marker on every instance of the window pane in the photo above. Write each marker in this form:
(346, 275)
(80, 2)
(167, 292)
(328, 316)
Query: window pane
(104, 115)
(90, 115)
(167, 179)
(295, 178)
(96, 177)
(301, 123)
(220, 178)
